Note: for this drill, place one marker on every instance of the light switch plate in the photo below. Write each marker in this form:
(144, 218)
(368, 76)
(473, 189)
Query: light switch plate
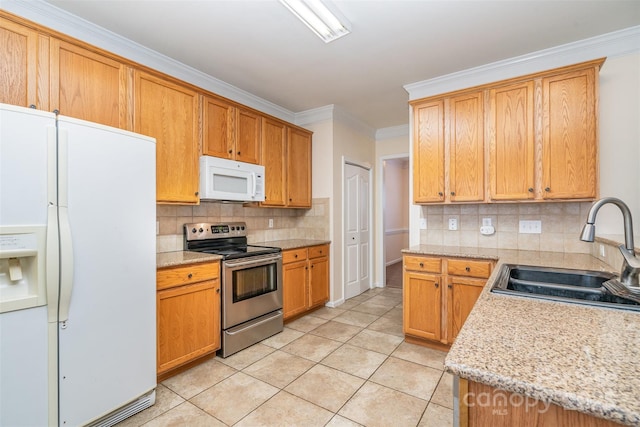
(270, 222)
(423, 223)
(530, 227)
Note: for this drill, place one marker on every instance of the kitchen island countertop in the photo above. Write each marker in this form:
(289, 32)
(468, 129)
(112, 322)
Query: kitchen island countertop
(578, 357)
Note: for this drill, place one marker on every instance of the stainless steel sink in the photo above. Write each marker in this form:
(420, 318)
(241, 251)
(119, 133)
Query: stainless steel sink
(560, 284)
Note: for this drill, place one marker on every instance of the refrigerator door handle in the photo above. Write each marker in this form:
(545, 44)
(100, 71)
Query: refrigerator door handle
(52, 264)
(66, 247)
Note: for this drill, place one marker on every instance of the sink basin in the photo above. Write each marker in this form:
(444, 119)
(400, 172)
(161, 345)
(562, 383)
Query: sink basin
(560, 284)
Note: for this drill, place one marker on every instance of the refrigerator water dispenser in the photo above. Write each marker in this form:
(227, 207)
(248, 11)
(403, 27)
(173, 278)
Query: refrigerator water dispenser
(22, 268)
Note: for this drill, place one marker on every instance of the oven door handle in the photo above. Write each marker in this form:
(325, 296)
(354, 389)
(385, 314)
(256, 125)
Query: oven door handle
(262, 261)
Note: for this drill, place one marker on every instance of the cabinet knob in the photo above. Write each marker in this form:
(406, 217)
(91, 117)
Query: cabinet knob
(437, 284)
(421, 264)
(547, 189)
(467, 269)
(290, 199)
(190, 275)
(238, 153)
(449, 286)
(453, 193)
(312, 266)
(440, 193)
(196, 193)
(230, 151)
(218, 291)
(32, 106)
(295, 256)
(530, 190)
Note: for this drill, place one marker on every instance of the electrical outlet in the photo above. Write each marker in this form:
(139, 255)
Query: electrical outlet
(453, 224)
(530, 227)
(270, 222)
(423, 223)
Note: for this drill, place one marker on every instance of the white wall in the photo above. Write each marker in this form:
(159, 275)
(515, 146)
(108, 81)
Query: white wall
(619, 141)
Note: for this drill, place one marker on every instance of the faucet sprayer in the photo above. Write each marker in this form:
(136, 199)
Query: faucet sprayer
(630, 264)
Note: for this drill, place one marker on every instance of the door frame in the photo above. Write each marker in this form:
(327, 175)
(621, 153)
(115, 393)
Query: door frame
(381, 203)
(367, 166)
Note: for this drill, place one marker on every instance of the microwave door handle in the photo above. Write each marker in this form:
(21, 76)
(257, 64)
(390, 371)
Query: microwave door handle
(255, 185)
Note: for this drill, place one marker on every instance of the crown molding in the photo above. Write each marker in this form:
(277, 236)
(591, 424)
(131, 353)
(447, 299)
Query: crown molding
(617, 43)
(314, 115)
(64, 22)
(335, 113)
(392, 132)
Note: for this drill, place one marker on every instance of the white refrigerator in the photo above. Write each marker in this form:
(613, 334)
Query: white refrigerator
(77, 271)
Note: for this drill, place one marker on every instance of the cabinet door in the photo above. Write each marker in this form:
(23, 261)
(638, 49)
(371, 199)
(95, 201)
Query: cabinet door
(511, 144)
(218, 118)
(24, 62)
(294, 288)
(462, 294)
(247, 144)
(274, 152)
(428, 152)
(88, 86)
(422, 305)
(318, 281)
(569, 135)
(299, 169)
(466, 148)
(168, 112)
(188, 323)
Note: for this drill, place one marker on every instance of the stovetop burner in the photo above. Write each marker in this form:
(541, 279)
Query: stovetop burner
(228, 240)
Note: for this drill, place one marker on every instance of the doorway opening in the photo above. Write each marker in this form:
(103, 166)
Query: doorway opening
(395, 217)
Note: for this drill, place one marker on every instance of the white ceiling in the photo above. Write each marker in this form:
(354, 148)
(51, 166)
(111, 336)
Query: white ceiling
(260, 47)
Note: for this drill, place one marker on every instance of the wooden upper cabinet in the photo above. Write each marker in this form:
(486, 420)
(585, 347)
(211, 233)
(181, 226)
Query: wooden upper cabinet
(168, 112)
(274, 155)
(230, 132)
(247, 136)
(24, 62)
(428, 152)
(299, 168)
(217, 128)
(88, 86)
(466, 148)
(569, 146)
(511, 142)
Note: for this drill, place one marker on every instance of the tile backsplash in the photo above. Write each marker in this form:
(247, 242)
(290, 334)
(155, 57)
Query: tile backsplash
(561, 225)
(287, 223)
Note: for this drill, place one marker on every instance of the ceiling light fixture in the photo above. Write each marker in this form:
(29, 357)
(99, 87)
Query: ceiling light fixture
(317, 16)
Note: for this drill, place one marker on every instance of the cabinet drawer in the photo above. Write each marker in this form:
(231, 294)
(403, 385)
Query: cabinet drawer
(469, 268)
(294, 255)
(192, 273)
(318, 251)
(418, 263)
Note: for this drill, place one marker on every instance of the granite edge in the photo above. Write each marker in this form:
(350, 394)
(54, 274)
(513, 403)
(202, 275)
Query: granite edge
(292, 243)
(177, 258)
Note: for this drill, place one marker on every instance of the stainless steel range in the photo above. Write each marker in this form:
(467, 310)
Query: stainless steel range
(251, 283)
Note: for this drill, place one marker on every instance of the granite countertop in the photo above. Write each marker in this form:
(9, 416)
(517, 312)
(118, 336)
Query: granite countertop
(171, 259)
(292, 243)
(578, 357)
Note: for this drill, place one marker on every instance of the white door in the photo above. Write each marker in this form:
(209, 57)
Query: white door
(356, 230)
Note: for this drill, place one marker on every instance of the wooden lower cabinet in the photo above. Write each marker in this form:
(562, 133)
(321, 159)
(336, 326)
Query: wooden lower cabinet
(481, 405)
(305, 274)
(430, 313)
(188, 314)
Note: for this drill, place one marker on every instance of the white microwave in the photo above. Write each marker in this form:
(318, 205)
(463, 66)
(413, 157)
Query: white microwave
(222, 179)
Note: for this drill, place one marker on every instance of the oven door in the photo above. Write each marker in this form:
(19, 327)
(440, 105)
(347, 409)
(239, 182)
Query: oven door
(251, 287)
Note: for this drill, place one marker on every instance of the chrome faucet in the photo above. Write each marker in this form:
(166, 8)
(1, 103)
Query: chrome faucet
(630, 264)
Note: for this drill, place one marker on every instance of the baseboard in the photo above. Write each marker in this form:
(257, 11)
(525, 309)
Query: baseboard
(392, 262)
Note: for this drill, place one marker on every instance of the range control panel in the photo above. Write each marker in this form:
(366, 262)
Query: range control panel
(205, 231)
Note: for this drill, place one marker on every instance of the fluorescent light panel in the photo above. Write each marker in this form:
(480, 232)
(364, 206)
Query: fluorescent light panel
(315, 15)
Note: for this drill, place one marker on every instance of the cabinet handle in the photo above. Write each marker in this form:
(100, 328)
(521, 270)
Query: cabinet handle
(290, 199)
(530, 190)
(467, 269)
(440, 193)
(32, 106)
(453, 193)
(196, 193)
(295, 256)
(238, 153)
(218, 291)
(421, 265)
(547, 189)
(190, 275)
(230, 151)
(449, 286)
(312, 266)
(436, 284)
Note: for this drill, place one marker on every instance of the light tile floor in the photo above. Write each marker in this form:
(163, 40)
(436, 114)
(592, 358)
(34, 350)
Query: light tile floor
(344, 366)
